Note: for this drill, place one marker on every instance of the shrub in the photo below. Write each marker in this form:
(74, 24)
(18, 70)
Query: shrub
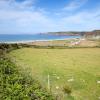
(67, 89)
(14, 85)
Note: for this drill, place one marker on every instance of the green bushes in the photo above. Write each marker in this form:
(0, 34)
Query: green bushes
(17, 86)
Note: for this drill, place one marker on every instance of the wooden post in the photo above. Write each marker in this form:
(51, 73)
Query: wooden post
(48, 82)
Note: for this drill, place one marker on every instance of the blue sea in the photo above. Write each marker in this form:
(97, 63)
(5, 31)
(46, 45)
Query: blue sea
(32, 37)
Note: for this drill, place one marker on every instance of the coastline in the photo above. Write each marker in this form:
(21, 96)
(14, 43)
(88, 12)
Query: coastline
(31, 41)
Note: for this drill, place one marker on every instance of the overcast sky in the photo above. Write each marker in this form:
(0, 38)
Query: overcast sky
(33, 16)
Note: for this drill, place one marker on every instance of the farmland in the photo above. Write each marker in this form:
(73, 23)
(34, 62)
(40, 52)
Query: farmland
(75, 70)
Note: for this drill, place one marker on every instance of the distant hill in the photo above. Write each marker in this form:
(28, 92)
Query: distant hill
(93, 34)
(90, 34)
(65, 33)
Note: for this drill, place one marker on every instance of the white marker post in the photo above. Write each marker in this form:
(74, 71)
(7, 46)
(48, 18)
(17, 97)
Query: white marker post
(48, 82)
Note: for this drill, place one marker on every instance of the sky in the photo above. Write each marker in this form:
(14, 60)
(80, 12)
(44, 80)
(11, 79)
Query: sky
(35, 16)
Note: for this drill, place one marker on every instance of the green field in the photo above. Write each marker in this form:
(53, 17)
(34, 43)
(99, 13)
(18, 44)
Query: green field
(76, 69)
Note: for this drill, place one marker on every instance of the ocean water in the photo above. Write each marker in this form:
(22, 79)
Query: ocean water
(32, 37)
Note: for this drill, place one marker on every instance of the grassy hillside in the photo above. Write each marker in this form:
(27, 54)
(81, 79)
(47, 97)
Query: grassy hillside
(74, 74)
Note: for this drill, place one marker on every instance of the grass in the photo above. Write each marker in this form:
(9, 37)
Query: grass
(78, 69)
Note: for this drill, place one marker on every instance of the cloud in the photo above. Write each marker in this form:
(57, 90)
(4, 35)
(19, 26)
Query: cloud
(13, 4)
(24, 17)
(82, 20)
(74, 4)
(27, 4)
(83, 17)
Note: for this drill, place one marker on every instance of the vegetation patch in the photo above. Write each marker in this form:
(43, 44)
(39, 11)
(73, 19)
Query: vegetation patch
(18, 86)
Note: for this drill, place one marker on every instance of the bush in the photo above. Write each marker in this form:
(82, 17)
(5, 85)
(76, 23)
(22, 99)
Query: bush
(67, 89)
(17, 86)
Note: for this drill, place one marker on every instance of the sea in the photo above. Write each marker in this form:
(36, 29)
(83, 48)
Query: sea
(32, 37)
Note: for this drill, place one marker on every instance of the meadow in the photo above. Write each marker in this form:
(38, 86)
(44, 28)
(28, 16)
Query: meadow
(69, 74)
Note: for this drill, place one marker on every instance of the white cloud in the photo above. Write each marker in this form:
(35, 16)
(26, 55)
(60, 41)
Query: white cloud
(26, 18)
(23, 17)
(27, 4)
(74, 4)
(83, 20)
(13, 4)
(82, 17)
